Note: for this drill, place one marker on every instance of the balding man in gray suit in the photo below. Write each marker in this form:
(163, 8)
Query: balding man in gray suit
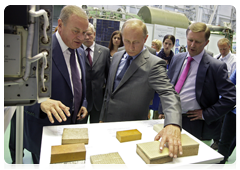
(128, 94)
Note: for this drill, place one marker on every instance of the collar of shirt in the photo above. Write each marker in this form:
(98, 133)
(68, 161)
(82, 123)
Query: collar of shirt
(123, 61)
(125, 55)
(66, 55)
(91, 47)
(198, 57)
(63, 46)
(226, 57)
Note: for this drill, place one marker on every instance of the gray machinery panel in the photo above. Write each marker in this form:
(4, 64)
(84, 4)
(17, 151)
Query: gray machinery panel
(31, 90)
(45, 93)
(12, 55)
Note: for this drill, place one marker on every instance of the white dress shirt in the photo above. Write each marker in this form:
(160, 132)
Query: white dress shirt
(230, 60)
(92, 50)
(124, 60)
(66, 54)
(187, 93)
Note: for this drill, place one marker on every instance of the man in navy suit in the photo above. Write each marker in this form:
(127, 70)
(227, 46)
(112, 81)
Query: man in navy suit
(58, 110)
(207, 79)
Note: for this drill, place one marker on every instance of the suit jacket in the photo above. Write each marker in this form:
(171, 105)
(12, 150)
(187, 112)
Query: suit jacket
(211, 82)
(35, 119)
(151, 50)
(130, 100)
(209, 52)
(96, 76)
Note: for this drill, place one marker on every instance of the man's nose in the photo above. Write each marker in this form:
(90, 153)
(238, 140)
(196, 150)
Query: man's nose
(131, 46)
(193, 44)
(82, 37)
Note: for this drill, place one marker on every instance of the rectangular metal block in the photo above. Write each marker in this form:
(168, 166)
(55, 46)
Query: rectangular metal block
(190, 146)
(74, 135)
(150, 153)
(66, 153)
(128, 135)
(110, 158)
(12, 55)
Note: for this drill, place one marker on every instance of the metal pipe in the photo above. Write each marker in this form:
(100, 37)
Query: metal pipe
(163, 17)
(19, 135)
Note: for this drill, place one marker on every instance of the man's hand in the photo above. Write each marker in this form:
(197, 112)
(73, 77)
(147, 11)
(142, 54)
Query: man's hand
(55, 108)
(82, 113)
(172, 135)
(161, 116)
(195, 114)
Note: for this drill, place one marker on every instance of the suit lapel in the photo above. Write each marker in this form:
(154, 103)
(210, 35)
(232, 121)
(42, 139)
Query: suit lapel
(59, 60)
(201, 75)
(97, 54)
(114, 68)
(176, 71)
(81, 63)
(138, 62)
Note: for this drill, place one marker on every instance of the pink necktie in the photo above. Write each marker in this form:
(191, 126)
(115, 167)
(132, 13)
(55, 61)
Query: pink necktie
(183, 76)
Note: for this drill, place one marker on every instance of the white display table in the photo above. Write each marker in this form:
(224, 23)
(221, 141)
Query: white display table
(102, 140)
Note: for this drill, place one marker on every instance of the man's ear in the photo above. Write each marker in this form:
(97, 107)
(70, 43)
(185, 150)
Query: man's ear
(60, 23)
(146, 38)
(207, 42)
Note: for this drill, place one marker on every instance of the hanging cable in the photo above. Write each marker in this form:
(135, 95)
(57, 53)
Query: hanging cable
(29, 58)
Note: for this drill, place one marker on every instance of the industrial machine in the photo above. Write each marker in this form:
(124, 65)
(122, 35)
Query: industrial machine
(27, 62)
(175, 23)
(27, 54)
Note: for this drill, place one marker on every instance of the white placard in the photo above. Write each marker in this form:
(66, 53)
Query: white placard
(180, 39)
(160, 31)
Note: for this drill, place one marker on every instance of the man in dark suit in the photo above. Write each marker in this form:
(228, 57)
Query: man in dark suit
(128, 94)
(207, 79)
(97, 67)
(62, 107)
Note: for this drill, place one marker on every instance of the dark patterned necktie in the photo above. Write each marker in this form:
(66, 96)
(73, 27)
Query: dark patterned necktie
(121, 74)
(89, 56)
(77, 84)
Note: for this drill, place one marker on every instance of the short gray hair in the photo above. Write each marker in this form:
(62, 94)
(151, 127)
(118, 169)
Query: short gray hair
(68, 10)
(90, 25)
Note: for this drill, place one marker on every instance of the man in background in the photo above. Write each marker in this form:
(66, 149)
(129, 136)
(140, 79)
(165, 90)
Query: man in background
(225, 55)
(227, 142)
(97, 67)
